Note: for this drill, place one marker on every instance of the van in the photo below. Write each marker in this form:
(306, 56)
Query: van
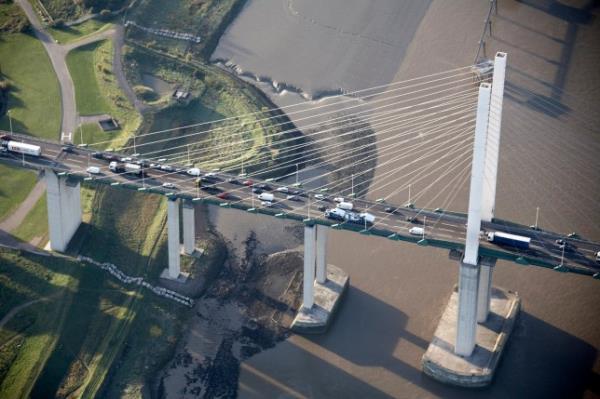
(266, 197)
(416, 231)
(338, 199)
(93, 170)
(345, 205)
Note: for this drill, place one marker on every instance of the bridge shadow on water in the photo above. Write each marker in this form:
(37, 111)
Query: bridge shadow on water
(369, 353)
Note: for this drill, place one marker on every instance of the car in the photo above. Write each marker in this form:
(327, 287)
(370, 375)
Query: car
(567, 246)
(248, 183)
(210, 175)
(233, 181)
(265, 187)
(193, 172)
(161, 160)
(322, 208)
(573, 235)
(292, 198)
(282, 189)
(127, 159)
(438, 210)
(267, 204)
(67, 148)
(166, 168)
(416, 231)
(338, 199)
(169, 185)
(223, 195)
(598, 256)
(320, 197)
(390, 209)
(413, 219)
(97, 155)
(93, 170)
(256, 190)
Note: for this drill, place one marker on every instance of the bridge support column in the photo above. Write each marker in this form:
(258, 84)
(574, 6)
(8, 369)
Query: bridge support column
(308, 296)
(322, 253)
(484, 294)
(189, 228)
(173, 238)
(469, 269)
(64, 209)
(492, 149)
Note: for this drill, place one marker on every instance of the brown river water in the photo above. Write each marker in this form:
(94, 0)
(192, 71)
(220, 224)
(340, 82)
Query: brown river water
(549, 158)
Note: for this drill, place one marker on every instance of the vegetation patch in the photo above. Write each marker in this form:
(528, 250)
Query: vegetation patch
(67, 10)
(34, 97)
(97, 90)
(16, 183)
(35, 224)
(12, 19)
(68, 34)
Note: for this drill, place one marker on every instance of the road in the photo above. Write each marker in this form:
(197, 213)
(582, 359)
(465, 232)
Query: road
(440, 225)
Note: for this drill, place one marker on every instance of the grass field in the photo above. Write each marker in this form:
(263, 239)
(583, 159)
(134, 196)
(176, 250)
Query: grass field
(68, 34)
(15, 185)
(97, 92)
(82, 66)
(34, 101)
(35, 224)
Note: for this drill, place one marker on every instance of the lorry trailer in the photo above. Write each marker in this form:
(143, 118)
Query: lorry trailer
(118, 167)
(23, 148)
(511, 240)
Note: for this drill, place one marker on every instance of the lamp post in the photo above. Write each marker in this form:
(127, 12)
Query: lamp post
(9, 121)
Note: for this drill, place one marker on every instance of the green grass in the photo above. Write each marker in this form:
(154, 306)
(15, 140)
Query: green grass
(12, 19)
(34, 100)
(98, 92)
(70, 34)
(35, 224)
(82, 67)
(15, 185)
(93, 133)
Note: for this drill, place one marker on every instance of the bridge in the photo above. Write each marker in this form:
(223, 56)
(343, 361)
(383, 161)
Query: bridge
(460, 234)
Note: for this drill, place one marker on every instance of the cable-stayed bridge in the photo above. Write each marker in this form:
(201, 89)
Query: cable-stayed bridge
(427, 134)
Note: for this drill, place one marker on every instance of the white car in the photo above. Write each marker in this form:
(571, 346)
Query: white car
(162, 160)
(267, 204)
(338, 199)
(93, 170)
(282, 190)
(169, 185)
(416, 231)
(210, 174)
(126, 159)
(166, 168)
(193, 172)
(319, 197)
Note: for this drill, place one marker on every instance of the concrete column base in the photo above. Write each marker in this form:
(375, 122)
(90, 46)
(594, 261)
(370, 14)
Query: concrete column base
(477, 370)
(181, 278)
(327, 297)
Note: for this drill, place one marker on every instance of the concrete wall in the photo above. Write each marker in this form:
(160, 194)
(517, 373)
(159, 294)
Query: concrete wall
(189, 228)
(64, 209)
(173, 238)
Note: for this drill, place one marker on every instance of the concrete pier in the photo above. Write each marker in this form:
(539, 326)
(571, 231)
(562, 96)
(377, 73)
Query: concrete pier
(485, 288)
(173, 239)
(468, 281)
(327, 299)
(476, 370)
(322, 232)
(308, 297)
(64, 209)
(189, 228)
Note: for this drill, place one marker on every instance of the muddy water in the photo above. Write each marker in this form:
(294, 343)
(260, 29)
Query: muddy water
(549, 159)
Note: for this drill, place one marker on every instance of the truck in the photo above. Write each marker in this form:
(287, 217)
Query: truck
(510, 240)
(268, 197)
(367, 217)
(336, 214)
(23, 148)
(118, 167)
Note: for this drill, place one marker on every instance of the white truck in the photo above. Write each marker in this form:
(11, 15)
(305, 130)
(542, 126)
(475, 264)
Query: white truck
(193, 172)
(24, 148)
(118, 167)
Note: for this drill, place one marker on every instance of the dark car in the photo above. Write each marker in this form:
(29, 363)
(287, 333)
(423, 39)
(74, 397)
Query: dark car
(257, 190)
(322, 208)
(567, 246)
(413, 220)
(248, 183)
(389, 209)
(67, 148)
(97, 155)
(265, 187)
(233, 181)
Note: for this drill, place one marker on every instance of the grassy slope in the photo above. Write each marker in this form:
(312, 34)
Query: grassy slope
(35, 223)
(97, 91)
(34, 100)
(68, 34)
(15, 185)
(88, 97)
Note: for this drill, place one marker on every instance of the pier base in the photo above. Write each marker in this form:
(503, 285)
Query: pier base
(477, 370)
(327, 297)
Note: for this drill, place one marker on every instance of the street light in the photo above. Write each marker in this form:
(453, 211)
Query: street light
(9, 121)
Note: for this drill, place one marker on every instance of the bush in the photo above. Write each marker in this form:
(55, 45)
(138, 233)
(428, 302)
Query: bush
(105, 15)
(58, 23)
(145, 93)
(4, 85)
